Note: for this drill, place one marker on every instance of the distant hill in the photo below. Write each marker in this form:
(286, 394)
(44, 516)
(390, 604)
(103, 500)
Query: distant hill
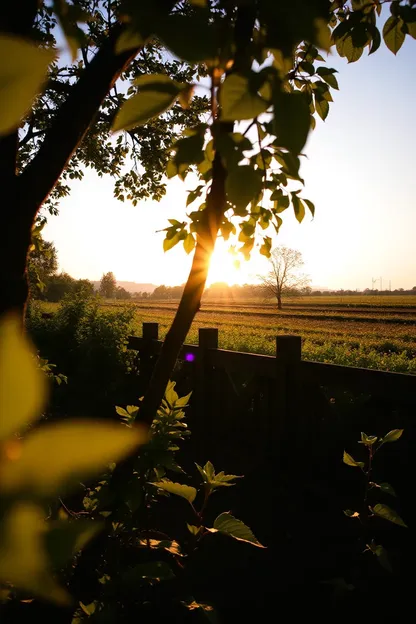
(132, 287)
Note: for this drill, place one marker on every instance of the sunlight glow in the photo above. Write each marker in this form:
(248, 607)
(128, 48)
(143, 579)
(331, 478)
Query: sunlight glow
(225, 266)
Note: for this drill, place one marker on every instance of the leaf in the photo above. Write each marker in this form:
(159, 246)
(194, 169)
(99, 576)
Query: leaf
(346, 48)
(156, 93)
(23, 69)
(122, 412)
(392, 436)
(383, 511)
(243, 184)
(155, 570)
(298, 207)
(192, 38)
(310, 205)
(351, 514)
(189, 243)
(185, 491)
(350, 461)
(170, 546)
(23, 385)
(88, 609)
(393, 33)
(55, 457)
(368, 440)
(291, 120)
(65, 538)
(327, 74)
(226, 523)
(23, 558)
(194, 530)
(387, 488)
(322, 107)
(169, 243)
(130, 38)
(382, 557)
(265, 249)
(237, 101)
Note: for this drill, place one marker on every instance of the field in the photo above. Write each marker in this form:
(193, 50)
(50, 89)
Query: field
(370, 332)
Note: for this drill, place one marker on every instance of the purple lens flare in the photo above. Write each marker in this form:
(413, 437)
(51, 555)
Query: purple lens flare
(189, 357)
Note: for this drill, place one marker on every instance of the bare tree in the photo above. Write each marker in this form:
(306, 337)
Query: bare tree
(284, 277)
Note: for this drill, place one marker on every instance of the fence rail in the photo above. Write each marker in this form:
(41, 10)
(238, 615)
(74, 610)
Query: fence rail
(384, 385)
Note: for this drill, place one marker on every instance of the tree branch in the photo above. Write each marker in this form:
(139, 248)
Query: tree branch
(73, 119)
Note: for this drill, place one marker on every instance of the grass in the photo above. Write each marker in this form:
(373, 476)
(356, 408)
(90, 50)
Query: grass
(374, 332)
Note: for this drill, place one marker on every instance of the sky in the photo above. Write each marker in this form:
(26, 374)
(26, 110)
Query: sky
(359, 172)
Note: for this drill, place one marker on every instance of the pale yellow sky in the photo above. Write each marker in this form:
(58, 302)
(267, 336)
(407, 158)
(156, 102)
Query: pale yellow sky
(359, 173)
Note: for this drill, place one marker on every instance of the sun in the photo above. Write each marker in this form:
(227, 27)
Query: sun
(224, 266)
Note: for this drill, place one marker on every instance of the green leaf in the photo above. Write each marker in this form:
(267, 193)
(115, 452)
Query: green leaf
(189, 150)
(23, 70)
(383, 511)
(192, 38)
(185, 491)
(368, 440)
(327, 74)
(291, 120)
(156, 93)
(183, 401)
(65, 538)
(298, 207)
(322, 107)
(55, 457)
(243, 184)
(122, 412)
(383, 559)
(170, 242)
(23, 557)
(237, 101)
(226, 523)
(393, 33)
(23, 385)
(350, 461)
(88, 609)
(170, 546)
(392, 436)
(129, 39)
(193, 530)
(310, 205)
(265, 249)
(189, 243)
(346, 48)
(386, 487)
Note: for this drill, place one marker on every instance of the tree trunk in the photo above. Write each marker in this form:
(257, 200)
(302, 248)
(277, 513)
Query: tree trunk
(279, 302)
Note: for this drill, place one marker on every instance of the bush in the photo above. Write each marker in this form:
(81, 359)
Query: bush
(88, 345)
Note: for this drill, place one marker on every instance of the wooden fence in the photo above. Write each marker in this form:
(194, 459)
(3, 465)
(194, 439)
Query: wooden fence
(265, 399)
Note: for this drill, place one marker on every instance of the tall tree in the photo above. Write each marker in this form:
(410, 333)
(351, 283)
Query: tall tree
(108, 285)
(284, 277)
(264, 67)
(42, 264)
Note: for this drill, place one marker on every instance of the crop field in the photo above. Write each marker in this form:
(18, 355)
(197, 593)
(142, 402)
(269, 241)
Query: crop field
(369, 332)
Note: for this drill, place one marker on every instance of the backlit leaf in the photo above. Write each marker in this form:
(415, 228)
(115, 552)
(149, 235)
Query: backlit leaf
(185, 491)
(322, 107)
(291, 120)
(392, 436)
(55, 457)
(189, 243)
(237, 101)
(388, 514)
(23, 385)
(393, 33)
(243, 185)
(156, 93)
(226, 523)
(23, 558)
(350, 461)
(327, 74)
(65, 538)
(298, 207)
(23, 68)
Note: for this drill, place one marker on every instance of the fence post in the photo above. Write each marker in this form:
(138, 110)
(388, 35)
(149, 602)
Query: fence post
(150, 332)
(288, 427)
(207, 339)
